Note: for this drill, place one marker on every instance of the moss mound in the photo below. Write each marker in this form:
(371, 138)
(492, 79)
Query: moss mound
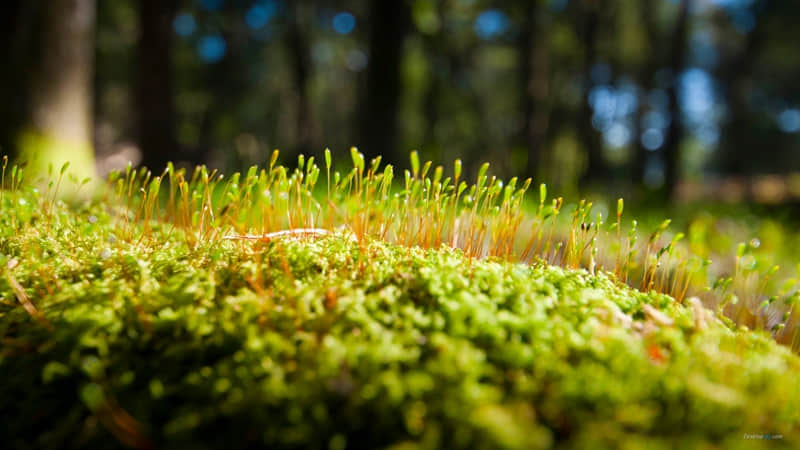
(328, 343)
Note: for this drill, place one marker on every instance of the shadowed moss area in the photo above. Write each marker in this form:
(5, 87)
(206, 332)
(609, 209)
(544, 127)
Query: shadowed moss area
(330, 343)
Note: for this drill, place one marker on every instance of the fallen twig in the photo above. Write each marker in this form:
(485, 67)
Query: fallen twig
(23, 298)
(292, 233)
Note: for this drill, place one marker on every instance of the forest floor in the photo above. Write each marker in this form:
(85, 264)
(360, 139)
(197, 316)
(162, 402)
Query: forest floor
(123, 329)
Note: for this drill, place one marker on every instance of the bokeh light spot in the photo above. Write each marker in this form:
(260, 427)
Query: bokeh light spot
(655, 119)
(603, 100)
(491, 23)
(697, 98)
(626, 102)
(789, 120)
(356, 60)
(211, 48)
(184, 24)
(344, 23)
(652, 139)
(259, 15)
(322, 53)
(707, 134)
(617, 135)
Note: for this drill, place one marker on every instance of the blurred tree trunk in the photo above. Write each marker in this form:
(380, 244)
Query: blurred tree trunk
(301, 70)
(381, 97)
(676, 65)
(156, 110)
(450, 92)
(534, 76)
(596, 167)
(60, 87)
(227, 84)
(442, 68)
(430, 103)
(13, 36)
(736, 75)
(645, 78)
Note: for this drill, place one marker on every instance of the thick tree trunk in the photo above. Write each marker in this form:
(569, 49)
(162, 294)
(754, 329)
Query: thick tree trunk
(674, 135)
(61, 90)
(156, 110)
(534, 65)
(381, 98)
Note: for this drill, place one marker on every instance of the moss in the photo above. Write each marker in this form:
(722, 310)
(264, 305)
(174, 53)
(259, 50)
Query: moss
(127, 323)
(326, 342)
(43, 154)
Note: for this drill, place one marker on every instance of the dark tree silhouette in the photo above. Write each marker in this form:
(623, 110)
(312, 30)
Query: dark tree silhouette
(389, 23)
(534, 76)
(300, 47)
(645, 76)
(676, 65)
(736, 74)
(156, 110)
(13, 37)
(596, 167)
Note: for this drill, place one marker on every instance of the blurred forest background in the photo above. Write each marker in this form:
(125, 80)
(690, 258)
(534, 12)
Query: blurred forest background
(677, 98)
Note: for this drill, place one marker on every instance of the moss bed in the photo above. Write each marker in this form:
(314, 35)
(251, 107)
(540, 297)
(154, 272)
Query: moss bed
(331, 343)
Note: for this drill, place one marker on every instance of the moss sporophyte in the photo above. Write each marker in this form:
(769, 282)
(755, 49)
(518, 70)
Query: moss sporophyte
(192, 310)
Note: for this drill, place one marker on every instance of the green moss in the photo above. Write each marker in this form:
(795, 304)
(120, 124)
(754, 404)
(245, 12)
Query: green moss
(331, 343)
(43, 154)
